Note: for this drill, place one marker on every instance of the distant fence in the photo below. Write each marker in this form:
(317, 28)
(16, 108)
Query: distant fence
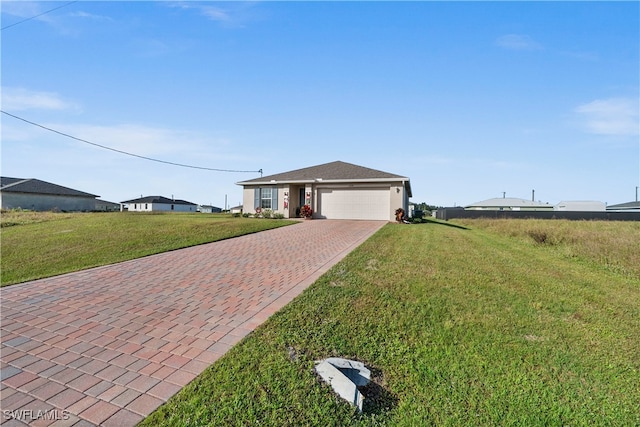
(447, 214)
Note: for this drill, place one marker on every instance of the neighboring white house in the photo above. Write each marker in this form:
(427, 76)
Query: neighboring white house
(335, 190)
(159, 204)
(580, 206)
(37, 195)
(509, 204)
(236, 209)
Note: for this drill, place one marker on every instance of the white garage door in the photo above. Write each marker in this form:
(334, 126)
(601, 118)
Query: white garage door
(339, 203)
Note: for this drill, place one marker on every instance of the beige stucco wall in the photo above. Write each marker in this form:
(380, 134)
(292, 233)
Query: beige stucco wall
(248, 199)
(398, 197)
(46, 202)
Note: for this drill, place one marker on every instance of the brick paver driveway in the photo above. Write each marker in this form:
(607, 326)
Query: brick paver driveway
(107, 346)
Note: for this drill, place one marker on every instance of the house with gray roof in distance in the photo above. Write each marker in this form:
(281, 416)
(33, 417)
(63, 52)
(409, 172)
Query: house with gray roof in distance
(509, 204)
(36, 195)
(209, 209)
(158, 204)
(106, 206)
(625, 207)
(336, 190)
(236, 209)
(581, 206)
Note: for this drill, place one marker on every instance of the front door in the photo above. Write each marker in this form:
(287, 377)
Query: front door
(300, 201)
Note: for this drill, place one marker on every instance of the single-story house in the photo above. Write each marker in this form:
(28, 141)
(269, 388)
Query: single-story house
(509, 204)
(581, 206)
(336, 190)
(625, 207)
(236, 209)
(209, 209)
(159, 204)
(106, 206)
(37, 195)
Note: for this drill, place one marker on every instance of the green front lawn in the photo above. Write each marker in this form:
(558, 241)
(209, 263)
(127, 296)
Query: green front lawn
(42, 244)
(461, 327)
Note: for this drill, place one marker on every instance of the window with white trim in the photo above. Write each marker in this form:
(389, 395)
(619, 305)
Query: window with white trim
(266, 198)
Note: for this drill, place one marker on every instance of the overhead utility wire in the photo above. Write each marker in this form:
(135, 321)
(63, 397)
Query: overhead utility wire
(124, 152)
(40, 14)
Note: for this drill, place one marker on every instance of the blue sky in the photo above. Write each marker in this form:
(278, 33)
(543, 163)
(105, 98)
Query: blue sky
(467, 99)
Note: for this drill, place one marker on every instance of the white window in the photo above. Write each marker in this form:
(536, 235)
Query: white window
(265, 200)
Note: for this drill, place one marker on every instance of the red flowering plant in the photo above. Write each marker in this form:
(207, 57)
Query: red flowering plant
(306, 211)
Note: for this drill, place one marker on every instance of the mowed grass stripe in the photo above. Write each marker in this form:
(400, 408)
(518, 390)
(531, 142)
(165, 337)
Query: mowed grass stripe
(460, 327)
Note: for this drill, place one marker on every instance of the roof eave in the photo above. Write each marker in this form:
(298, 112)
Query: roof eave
(275, 181)
(323, 181)
(407, 185)
(85, 195)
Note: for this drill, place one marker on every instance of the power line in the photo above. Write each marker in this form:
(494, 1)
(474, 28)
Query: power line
(124, 152)
(40, 14)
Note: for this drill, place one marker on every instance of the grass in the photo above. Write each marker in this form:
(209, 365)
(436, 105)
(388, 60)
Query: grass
(43, 244)
(461, 327)
(11, 218)
(612, 244)
(500, 322)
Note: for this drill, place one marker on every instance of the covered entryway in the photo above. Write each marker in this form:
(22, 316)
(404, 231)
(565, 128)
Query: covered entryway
(335, 190)
(349, 203)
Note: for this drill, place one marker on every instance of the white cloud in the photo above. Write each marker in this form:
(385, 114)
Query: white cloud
(613, 116)
(132, 138)
(171, 145)
(518, 42)
(28, 10)
(20, 99)
(29, 151)
(22, 9)
(82, 14)
(216, 14)
(232, 15)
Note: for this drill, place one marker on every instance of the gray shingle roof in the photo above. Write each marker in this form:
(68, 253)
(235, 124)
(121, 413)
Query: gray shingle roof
(628, 205)
(36, 186)
(159, 199)
(333, 171)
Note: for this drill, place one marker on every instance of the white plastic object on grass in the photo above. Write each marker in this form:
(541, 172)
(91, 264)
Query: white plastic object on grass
(345, 376)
